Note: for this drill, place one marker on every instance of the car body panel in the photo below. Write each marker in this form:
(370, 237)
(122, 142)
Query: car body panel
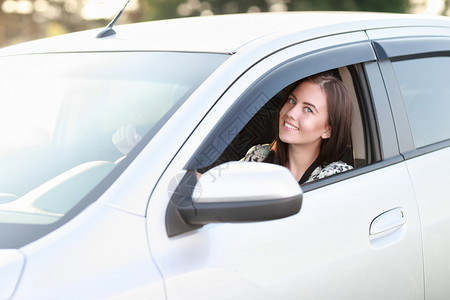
(236, 256)
(425, 163)
(107, 243)
(431, 186)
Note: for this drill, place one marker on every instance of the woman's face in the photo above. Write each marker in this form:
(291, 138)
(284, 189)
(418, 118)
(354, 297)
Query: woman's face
(304, 117)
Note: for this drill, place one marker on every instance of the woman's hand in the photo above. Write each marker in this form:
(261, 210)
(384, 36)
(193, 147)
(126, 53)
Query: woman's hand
(125, 138)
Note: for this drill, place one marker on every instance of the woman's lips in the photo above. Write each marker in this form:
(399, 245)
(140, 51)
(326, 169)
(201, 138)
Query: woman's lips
(289, 126)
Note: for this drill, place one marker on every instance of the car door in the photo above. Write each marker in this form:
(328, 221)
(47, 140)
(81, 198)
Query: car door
(416, 72)
(357, 234)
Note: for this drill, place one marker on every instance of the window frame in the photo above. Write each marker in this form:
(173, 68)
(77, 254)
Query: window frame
(380, 137)
(286, 73)
(391, 50)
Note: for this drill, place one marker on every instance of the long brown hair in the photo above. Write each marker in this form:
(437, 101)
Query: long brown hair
(339, 119)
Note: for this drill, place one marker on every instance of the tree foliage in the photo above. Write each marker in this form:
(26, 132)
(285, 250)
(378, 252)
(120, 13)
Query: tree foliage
(161, 9)
(352, 5)
(22, 20)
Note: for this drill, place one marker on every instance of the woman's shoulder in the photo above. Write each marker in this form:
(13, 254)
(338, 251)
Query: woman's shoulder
(257, 153)
(329, 169)
(337, 167)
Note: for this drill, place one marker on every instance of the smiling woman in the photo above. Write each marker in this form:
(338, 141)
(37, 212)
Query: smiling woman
(312, 129)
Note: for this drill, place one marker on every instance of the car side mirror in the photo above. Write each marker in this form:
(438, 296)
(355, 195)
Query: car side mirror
(233, 192)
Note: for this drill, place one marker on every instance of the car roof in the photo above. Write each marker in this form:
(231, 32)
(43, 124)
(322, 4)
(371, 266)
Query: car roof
(222, 33)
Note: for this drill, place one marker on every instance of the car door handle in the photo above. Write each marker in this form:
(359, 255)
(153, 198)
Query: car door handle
(388, 220)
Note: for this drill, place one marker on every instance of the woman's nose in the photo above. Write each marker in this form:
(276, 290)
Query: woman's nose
(292, 113)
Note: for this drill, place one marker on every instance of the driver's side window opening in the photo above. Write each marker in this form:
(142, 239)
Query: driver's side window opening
(259, 129)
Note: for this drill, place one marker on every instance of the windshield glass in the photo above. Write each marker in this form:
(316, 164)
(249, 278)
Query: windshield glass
(59, 113)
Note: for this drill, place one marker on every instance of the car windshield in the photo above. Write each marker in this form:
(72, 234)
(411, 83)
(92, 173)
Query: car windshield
(59, 112)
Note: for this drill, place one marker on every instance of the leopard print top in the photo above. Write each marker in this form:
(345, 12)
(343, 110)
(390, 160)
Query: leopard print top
(259, 152)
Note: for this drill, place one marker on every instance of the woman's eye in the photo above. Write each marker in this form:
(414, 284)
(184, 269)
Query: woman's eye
(308, 110)
(291, 101)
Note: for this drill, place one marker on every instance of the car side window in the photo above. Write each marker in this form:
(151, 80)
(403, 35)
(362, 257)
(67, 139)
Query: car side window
(259, 129)
(426, 93)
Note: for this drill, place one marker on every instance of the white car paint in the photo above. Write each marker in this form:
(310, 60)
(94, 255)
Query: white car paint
(118, 246)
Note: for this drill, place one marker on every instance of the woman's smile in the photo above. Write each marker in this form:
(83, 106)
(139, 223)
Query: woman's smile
(289, 126)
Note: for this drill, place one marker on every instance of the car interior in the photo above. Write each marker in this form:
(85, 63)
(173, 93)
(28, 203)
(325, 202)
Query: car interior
(259, 130)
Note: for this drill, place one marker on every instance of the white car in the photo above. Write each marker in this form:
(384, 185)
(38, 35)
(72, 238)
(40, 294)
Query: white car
(79, 220)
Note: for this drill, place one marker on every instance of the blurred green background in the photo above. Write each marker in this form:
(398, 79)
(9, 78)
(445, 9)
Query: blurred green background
(23, 20)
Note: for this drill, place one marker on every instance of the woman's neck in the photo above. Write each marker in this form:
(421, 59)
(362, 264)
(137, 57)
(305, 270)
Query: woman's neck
(300, 159)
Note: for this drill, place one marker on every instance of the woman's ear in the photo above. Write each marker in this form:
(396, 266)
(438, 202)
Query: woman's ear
(327, 133)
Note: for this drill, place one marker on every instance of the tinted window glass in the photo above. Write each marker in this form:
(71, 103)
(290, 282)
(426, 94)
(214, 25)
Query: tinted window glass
(425, 87)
